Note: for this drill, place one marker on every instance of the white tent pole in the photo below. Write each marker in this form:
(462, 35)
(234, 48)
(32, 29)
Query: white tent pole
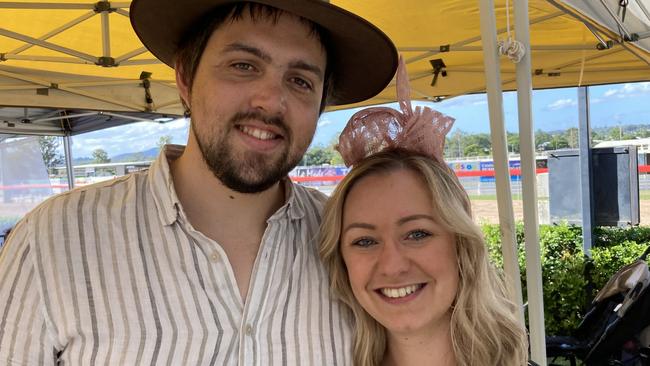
(67, 140)
(499, 153)
(529, 188)
(586, 173)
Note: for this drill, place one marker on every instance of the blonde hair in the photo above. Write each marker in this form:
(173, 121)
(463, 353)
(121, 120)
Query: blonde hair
(484, 329)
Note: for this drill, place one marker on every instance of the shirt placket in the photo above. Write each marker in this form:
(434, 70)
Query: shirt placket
(249, 348)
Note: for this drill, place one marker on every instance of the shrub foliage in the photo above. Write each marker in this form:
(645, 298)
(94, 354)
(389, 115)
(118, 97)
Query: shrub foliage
(570, 279)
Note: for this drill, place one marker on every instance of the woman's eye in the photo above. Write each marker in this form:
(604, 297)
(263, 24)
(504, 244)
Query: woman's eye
(418, 235)
(363, 242)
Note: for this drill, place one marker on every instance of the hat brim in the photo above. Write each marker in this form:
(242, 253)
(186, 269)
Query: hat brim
(363, 58)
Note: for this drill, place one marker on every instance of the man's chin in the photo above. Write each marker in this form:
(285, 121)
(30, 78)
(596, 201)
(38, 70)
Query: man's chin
(248, 186)
(250, 178)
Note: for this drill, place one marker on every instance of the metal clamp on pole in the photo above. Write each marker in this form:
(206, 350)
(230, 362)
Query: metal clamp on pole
(146, 84)
(438, 68)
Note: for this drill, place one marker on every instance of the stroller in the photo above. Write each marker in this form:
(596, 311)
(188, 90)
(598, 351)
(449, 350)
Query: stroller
(616, 328)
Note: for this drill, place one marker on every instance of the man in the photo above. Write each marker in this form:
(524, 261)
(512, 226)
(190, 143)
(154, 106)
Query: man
(210, 257)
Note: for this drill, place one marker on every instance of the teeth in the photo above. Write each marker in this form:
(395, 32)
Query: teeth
(399, 292)
(257, 133)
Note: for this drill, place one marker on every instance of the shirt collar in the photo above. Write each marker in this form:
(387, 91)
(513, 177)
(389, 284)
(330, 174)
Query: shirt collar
(293, 206)
(169, 206)
(162, 184)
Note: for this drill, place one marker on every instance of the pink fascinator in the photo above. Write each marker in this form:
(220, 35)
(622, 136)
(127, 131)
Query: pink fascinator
(375, 129)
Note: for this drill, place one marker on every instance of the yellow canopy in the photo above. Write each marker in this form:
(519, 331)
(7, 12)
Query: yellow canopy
(564, 51)
(94, 45)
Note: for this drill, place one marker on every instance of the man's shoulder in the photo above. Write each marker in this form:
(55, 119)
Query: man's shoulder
(45, 208)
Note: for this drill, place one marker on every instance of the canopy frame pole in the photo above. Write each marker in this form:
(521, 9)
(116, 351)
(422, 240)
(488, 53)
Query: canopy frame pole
(478, 38)
(67, 151)
(60, 59)
(130, 55)
(55, 6)
(500, 153)
(644, 10)
(541, 47)
(618, 21)
(45, 83)
(123, 12)
(54, 32)
(48, 45)
(553, 67)
(508, 81)
(529, 188)
(149, 61)
(106, 35)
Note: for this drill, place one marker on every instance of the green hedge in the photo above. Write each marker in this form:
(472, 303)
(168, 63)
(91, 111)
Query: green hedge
(566, 290)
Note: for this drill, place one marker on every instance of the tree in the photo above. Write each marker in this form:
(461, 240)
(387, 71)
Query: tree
(513, 142)
(455, 143)
(49, 146)
(477, 145)
(163, 140)
(572, 135)
(337, 159)
(317, 156)
(558, 142)
(542, 140)
(100, 156)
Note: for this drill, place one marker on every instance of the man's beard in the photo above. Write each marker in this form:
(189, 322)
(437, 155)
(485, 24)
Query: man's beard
(250, 172)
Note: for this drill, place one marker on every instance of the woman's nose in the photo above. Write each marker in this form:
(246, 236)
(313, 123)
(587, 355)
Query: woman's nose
(393, 259)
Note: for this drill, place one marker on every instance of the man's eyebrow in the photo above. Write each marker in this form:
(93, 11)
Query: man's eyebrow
(249, 49)
(301, 65)
(406, 219)
(358, 225)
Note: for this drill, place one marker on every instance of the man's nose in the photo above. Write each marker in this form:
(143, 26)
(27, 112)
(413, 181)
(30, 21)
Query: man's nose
(393, 259)
(270, 95)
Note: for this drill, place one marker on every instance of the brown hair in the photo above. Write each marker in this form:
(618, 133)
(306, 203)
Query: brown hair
(193, 43)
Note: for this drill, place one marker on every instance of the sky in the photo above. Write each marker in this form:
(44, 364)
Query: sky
(554, 109)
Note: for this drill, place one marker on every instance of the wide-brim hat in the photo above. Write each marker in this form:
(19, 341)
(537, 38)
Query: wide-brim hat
(363, 58)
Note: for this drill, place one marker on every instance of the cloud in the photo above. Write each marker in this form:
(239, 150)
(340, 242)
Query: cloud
(324, 121)
(465, 101)
(561, 103)
(129, 138)
(629, 90)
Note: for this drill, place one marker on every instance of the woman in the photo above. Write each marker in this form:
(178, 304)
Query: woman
(403, 252)
(405, 256)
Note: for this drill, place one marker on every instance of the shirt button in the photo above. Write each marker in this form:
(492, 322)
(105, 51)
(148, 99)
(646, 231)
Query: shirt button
(214, 257)
(248, 329)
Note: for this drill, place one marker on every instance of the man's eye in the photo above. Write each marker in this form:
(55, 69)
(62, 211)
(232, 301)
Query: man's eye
(363, 242)
(243, 66)
(418, 235)
(301, 83)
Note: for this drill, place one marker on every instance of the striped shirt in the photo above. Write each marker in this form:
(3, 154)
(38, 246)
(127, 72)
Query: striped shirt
(114, 274)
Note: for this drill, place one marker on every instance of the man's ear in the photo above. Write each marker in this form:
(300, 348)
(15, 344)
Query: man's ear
(183, 88)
